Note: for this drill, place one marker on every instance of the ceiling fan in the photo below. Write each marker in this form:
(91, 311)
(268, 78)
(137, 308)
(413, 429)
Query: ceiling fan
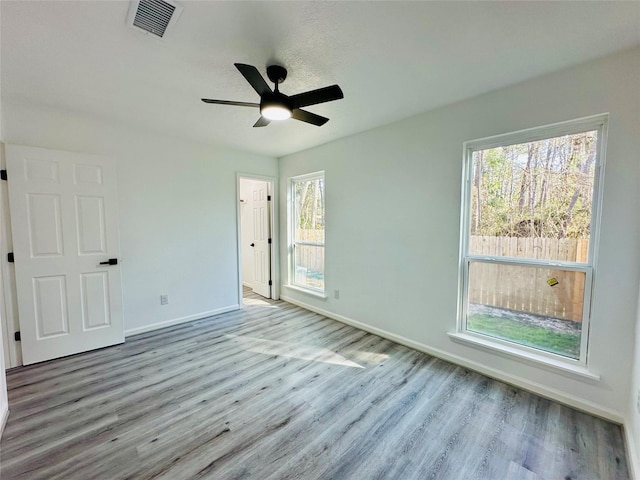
(275, 105)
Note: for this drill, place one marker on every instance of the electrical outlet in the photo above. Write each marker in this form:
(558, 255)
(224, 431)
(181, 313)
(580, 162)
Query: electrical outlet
(164, 299)
(638, 401)
(336, 294)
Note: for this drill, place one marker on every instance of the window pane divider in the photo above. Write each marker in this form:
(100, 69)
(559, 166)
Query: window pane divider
(573, 266)
(310, 244)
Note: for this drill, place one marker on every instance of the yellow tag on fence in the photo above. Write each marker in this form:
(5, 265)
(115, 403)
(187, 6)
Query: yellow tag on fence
(553, 282)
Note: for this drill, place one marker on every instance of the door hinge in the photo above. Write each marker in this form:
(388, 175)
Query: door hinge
(3, 174)
(268, 197)
(10, 258)
(269, 241)
(16, 336)
(270, 283)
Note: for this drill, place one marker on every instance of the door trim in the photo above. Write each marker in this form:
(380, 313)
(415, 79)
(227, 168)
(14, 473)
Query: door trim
(8, 313)
(275, 256)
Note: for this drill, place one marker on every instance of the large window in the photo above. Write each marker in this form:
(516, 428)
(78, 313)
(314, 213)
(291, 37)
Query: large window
(530, 210)
(307, 232)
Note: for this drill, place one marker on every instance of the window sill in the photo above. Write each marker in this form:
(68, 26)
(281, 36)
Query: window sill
(311, 293)
(555, 365)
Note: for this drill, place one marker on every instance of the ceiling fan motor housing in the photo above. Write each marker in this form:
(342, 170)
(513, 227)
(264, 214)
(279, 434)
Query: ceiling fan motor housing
(275, 99)
(276, 73)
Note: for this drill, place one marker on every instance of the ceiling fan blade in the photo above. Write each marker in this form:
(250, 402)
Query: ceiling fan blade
(321, 95)
(253, 76)
(308, 117)
(229, 102)
(262, 122)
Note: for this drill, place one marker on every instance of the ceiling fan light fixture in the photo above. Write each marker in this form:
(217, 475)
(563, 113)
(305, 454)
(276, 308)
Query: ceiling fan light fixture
(275, 112)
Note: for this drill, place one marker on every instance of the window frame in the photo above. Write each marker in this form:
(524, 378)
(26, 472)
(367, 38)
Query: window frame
(292, 242)
(598, 123)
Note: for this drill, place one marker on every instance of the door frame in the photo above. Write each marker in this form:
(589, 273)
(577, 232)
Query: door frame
(8, 304)
(274, 217)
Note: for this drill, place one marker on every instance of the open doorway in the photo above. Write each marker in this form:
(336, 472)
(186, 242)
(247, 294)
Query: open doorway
(256, 235)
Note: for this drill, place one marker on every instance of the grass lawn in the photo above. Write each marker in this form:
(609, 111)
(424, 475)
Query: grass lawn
(511, 329)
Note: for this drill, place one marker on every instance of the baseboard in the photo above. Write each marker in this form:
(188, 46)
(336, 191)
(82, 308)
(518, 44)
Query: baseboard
(3, 420)
(633, 459)
(520, 382)
(247, 284)
(177, 321)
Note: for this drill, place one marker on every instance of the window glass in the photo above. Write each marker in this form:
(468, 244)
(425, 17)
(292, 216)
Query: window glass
(534, 200)
(532, 306)
(308, 232)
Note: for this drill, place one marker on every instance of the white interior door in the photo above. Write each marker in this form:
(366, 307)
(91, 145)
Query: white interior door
(261, 244)
(65, 227)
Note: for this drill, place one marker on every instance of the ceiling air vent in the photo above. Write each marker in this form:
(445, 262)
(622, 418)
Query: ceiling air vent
(154, 16)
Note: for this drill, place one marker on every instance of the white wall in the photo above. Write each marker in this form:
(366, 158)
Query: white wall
(393, 224)
(177, 205)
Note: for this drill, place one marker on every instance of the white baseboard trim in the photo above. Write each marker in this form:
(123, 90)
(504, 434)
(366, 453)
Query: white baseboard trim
(500, 375)
(247, 284)
(633, 459)
(3, 420)
(176, 321)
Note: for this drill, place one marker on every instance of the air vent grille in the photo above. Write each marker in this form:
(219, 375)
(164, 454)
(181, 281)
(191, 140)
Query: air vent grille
(153, 16)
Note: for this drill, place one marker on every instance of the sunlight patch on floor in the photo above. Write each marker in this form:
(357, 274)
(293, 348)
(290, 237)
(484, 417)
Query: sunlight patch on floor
(370, 357)
(291, 350)
(257, 302)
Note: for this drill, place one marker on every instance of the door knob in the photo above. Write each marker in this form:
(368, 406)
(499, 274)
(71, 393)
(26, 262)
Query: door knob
(111, 261)
(253, 244)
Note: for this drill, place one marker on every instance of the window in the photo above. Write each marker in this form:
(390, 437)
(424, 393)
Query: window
(530, 210)
(307, 232)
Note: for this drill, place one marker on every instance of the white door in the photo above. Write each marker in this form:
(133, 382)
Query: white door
(65, 231)
(261, 244)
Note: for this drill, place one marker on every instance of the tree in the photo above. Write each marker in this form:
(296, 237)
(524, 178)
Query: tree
(535, 189)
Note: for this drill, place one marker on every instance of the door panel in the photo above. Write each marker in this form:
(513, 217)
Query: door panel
(88, 174)
(91, 227)
(41, 170)
(64, 222)
(45, 227)
(95, 300)
(50, 298)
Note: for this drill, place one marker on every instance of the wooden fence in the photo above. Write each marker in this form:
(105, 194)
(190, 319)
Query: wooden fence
(563, 249)
(526, 289)
(310, 259)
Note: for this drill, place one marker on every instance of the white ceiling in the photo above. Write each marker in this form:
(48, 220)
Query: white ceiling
(392, 59)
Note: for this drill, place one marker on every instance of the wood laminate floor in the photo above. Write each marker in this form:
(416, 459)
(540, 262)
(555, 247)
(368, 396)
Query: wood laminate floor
(276, 392)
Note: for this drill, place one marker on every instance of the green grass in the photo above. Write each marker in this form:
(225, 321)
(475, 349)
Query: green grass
(511, 329)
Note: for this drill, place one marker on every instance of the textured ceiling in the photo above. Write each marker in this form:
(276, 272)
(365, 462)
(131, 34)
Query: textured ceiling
(392, 59)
